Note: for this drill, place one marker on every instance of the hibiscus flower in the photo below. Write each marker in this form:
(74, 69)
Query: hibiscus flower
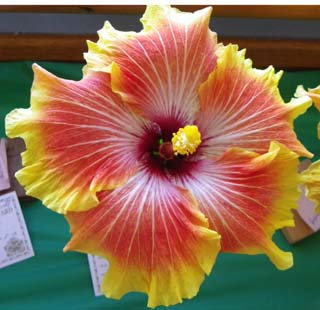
(170, 149)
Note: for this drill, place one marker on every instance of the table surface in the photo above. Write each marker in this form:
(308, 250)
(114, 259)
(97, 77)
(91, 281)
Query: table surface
(54, 280)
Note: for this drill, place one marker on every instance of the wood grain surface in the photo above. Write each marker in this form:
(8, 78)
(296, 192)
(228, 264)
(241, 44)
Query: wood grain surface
(284, 54)
(253, 11)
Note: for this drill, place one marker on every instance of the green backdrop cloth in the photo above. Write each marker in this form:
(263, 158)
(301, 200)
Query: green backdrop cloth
(54, 280)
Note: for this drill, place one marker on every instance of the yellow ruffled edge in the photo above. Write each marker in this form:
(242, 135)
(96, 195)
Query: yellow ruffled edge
(155, 14)
(100, 54)
(310, 178)
(314, 95)
(183, 281)
(40, 180)
(281, 215)
(231, 53)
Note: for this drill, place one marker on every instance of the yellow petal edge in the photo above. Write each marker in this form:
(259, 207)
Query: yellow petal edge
(39, 180)
(286, 164)
(311, 179)
(165, 284)
(297, 106)
(100, 54)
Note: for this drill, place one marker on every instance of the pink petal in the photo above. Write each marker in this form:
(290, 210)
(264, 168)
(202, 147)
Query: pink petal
(154, 237)
(242, 107)
(80, 139)
(158, 70)
(246, 197)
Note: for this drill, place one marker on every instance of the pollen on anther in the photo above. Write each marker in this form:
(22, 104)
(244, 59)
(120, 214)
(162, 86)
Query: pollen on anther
(186, 140)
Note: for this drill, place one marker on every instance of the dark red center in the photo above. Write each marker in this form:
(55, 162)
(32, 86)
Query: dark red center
(156, 150)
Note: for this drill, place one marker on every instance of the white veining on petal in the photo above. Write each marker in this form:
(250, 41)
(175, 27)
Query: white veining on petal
(163, 63)
(241, 106)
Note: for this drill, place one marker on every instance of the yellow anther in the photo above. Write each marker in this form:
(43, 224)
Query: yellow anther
(186, 140)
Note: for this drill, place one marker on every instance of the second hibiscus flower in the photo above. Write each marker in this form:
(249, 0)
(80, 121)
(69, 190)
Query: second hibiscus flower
(170, 149)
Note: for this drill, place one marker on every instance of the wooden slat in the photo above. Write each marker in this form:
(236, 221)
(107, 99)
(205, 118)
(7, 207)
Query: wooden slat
(282, 54)
(286, 54)
(253, 11)
(43, 47)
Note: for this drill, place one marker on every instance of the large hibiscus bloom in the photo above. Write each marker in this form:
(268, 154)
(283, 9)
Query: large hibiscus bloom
(169, 149)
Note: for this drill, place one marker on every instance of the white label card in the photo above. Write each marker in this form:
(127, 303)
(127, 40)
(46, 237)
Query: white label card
(98, 267)
(15, 244)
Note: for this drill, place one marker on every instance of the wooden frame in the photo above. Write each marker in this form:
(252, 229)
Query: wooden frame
(283, 54)
(252, 11)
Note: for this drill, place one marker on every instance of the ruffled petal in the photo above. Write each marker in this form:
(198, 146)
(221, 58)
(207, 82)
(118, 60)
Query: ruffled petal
(158, 70)
(246, 197)
(154, 236)
(311, 179)
(242, 107)
(80, 139)
(314, 94)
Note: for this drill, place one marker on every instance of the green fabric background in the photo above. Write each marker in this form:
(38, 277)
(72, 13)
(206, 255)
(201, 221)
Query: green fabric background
(53, 280)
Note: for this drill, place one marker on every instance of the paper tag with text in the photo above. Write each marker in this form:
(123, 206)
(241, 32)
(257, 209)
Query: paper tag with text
(98, 267)
(15, 244)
